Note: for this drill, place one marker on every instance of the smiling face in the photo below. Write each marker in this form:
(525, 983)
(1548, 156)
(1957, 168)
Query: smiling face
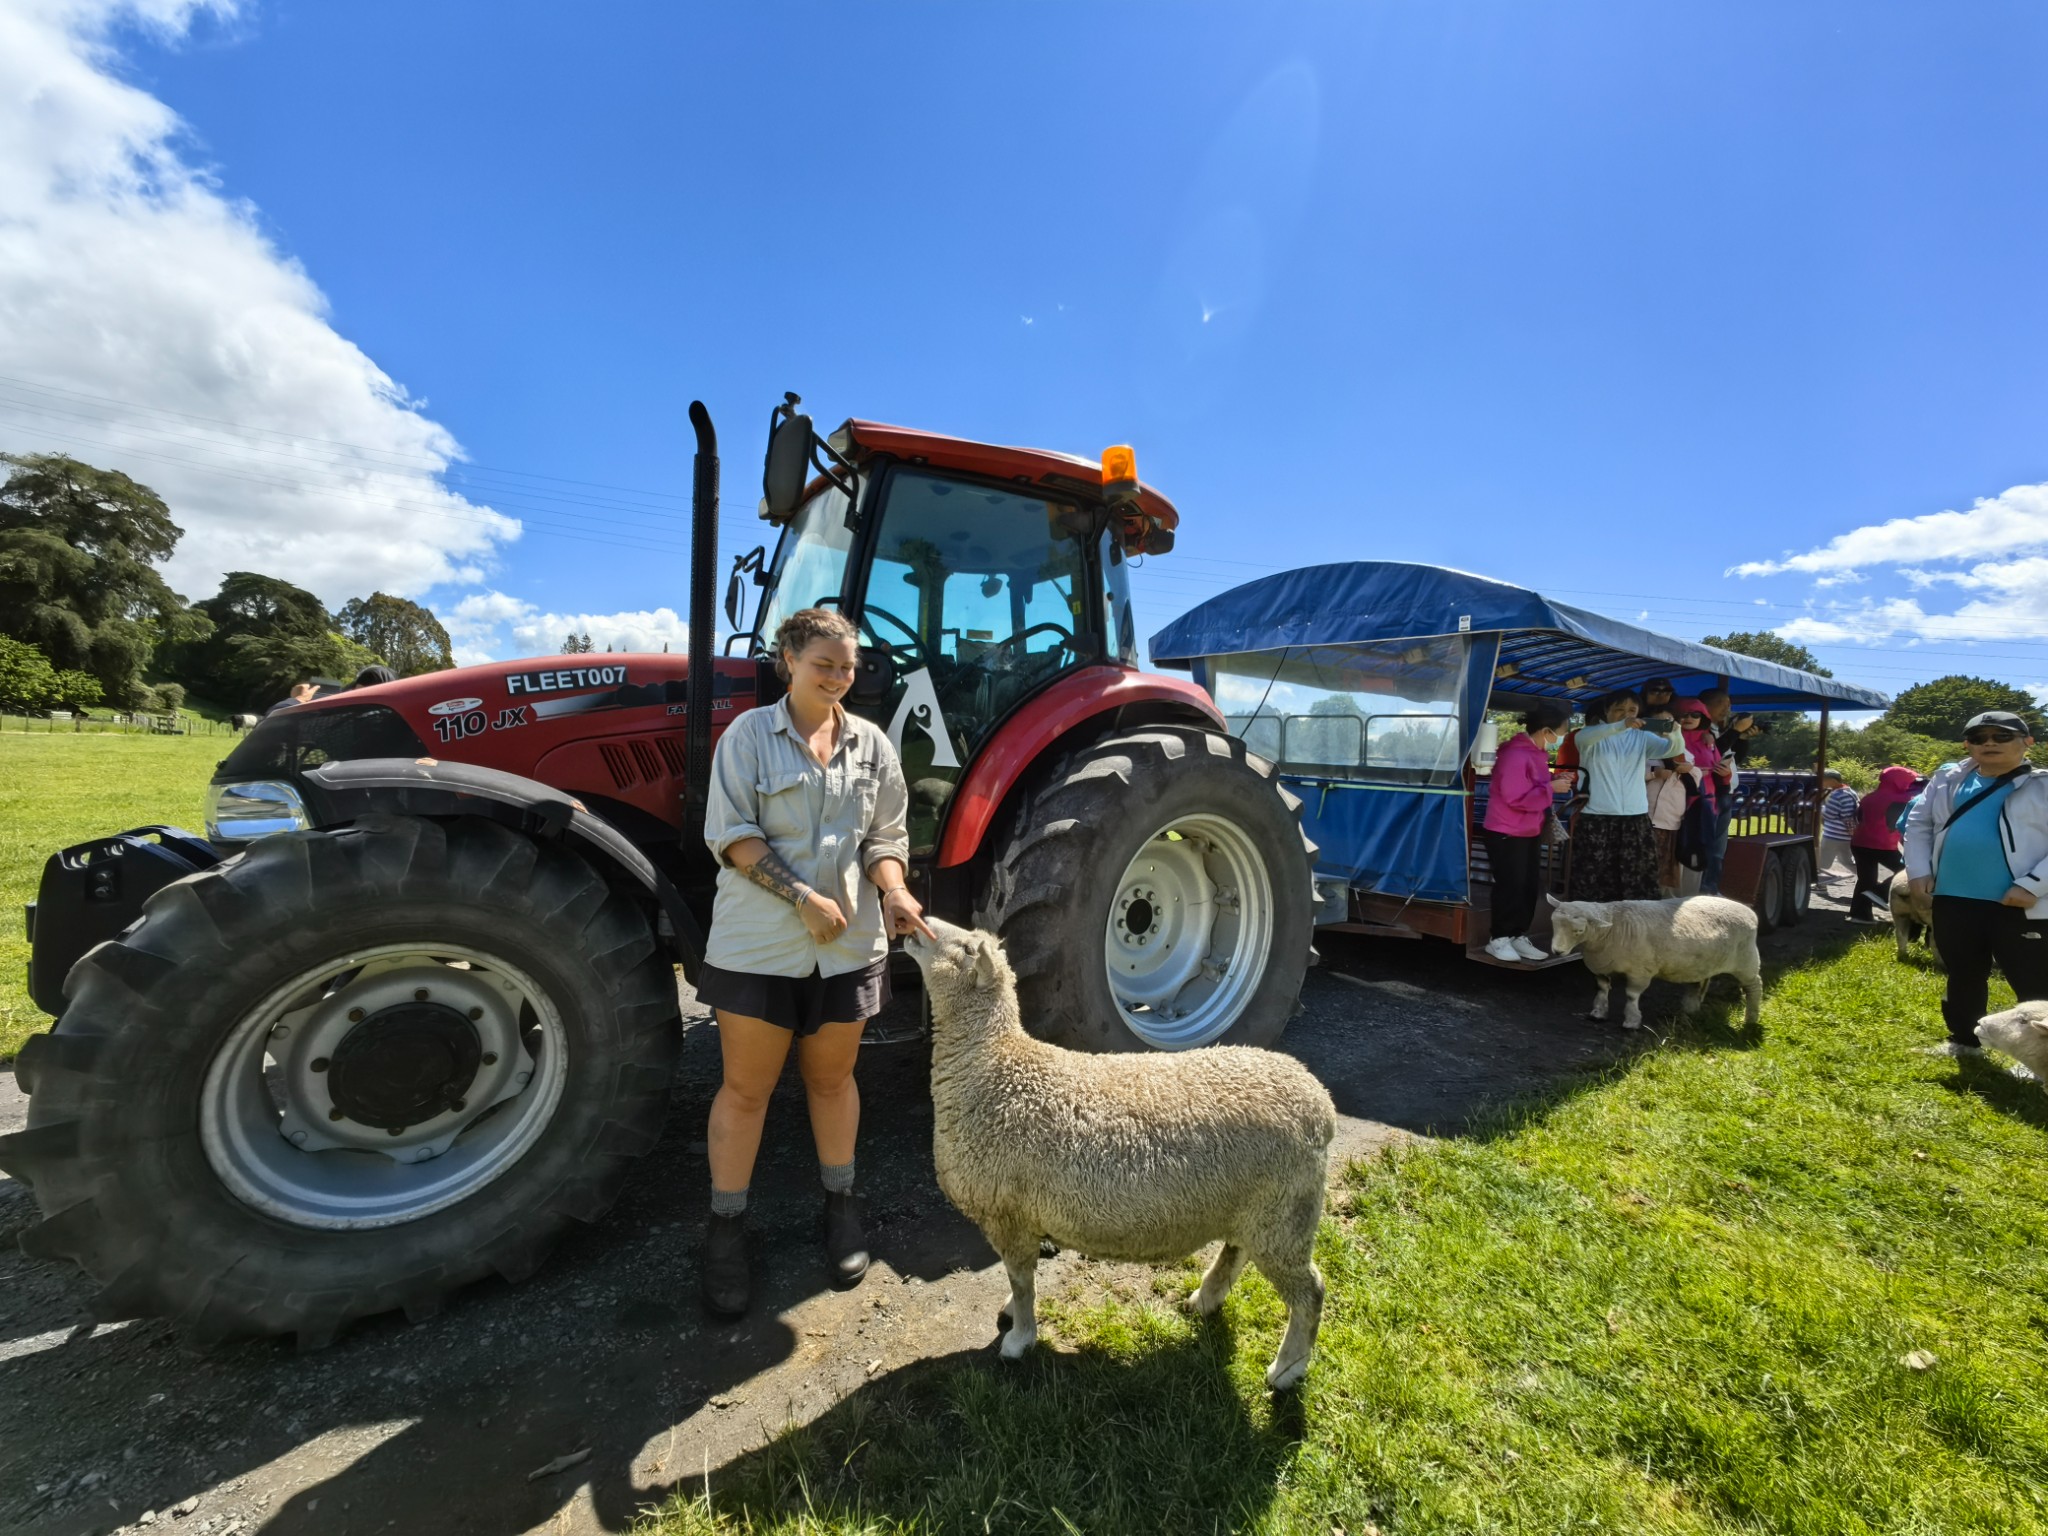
(820, 674)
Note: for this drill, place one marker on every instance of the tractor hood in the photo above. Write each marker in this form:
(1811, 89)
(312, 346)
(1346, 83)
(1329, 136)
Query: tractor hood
(603, 726)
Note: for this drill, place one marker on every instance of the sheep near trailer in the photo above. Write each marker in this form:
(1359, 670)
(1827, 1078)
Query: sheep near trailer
(1369, 683)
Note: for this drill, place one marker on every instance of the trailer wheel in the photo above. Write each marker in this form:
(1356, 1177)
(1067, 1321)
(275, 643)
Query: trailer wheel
(345, 1072)
(1156, 893)
(1770, 893)
(1798, 883)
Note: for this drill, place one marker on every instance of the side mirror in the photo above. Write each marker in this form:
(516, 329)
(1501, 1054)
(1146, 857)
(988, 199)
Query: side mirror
(788, 467)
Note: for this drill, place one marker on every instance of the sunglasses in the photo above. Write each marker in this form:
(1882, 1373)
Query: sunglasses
(1984, 738)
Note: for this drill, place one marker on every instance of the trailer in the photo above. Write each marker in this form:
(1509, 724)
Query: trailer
(1369, 685)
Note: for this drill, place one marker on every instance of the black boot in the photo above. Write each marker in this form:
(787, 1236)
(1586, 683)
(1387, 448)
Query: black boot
(725, 1265)
(846, 1245)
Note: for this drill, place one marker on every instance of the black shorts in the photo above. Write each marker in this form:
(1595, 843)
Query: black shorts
(801, 1003)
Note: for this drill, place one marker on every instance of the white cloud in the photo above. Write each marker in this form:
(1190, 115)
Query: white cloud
(1994, 525)
(2007, 538)
(490, 626)
(151, 326)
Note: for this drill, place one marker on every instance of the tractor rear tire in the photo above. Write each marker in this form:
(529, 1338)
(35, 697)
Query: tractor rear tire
(189, 1010)
(1157, 892)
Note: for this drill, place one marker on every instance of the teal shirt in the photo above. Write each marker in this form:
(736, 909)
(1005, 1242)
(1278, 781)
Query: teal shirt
(1973, 850)
(1614, 758)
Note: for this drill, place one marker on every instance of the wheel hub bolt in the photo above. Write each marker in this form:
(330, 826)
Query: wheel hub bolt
(335, 1114)
(490, 1058)
(398, 1130)
(475, 1014)
(297, 1138)
(319, 1063)
(458, 1104)
(355, 1015)
(419, 994)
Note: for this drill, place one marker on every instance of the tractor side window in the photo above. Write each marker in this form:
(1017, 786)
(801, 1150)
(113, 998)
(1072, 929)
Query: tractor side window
(1122, 631)
(810, 562)
(981, 597)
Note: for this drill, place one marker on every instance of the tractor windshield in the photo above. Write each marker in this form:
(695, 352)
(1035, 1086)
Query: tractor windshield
(810, 562)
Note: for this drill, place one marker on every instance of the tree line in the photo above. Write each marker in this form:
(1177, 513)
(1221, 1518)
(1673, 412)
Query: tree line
(86, 616)
(1922, 730)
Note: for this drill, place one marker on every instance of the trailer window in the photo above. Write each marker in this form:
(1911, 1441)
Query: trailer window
(1380, 712)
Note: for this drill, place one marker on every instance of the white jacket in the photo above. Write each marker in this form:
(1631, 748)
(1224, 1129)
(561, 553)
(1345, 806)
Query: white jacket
(2023, 829)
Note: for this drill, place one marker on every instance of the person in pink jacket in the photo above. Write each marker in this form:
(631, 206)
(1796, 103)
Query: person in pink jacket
(1518, 803)
(1874, 845)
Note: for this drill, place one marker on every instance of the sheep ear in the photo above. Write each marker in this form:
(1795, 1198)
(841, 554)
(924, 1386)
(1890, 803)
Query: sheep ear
(984, 961)
(2040, 1022)
(1547, 896)
(1599, 924)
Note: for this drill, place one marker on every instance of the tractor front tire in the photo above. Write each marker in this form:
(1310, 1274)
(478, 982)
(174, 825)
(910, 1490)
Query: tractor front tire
(346, 1072)
(1156, 892)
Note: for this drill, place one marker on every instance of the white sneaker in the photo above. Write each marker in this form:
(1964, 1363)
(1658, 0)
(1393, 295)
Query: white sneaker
(1504, 949)
(1527, 950)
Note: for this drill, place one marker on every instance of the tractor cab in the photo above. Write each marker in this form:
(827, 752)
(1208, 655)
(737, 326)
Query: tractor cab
(978, 576)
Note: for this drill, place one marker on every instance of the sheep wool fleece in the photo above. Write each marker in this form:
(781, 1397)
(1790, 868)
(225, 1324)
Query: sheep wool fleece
(1142, 1157)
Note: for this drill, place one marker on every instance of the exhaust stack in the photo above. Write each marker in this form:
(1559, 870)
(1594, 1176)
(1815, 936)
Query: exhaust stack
(703, 600)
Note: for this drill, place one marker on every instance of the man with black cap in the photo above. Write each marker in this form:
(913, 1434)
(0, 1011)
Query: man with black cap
(1977, 840)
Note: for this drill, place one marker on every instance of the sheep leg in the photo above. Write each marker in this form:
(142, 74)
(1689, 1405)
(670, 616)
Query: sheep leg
(1903, 932)
(1599, 1009)
(1301, 1286)
(1631, 1014)
(1021, 1309)
(1752, 998)
(1222, 1275)
(1692, 998)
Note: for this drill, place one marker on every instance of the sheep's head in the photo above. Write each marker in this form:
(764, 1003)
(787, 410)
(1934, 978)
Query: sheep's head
(1574, 922)
(2021, 1031)
(957, 963)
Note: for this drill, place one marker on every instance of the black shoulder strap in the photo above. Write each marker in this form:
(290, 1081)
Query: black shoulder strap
(1957, 813)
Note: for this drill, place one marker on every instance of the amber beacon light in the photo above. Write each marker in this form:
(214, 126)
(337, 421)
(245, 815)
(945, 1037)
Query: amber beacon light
(1120, 473)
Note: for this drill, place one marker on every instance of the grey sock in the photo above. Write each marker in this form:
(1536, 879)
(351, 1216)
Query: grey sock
(837, 1180)
(728, 1202)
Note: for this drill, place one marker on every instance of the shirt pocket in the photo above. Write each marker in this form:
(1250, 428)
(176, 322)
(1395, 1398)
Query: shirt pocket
(780, 799)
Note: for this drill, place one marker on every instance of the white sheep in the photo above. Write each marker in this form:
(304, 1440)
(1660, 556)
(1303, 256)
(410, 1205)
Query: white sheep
(2022, 1033)
(1139, 1157)
(1911, 916)
(1688, 938)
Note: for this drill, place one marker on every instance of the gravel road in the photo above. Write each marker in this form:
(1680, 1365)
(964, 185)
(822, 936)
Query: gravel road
(605, 1356)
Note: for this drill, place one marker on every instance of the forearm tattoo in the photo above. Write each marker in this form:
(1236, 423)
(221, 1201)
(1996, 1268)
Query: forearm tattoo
(772, 873)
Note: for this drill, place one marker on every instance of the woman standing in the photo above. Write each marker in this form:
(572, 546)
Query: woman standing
(1614, 856)
(806, 817)
(1874, 845)
(1518, 803)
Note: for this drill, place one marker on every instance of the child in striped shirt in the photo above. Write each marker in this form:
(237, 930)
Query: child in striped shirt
(1837, 823)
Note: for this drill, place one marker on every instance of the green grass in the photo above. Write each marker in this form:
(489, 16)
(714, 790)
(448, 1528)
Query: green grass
(1675, 1298)
(60, 789)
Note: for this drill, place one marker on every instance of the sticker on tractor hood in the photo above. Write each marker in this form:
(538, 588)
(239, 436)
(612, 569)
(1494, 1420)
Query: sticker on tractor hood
(566, 678)
(453, 706)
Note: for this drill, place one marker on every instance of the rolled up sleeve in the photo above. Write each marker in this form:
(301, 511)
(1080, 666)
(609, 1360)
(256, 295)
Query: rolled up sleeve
(888, 834)
(731, 812)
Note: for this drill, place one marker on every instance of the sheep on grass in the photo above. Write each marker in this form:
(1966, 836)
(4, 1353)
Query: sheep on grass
(1138, 1157)
(2022, 1033)
(1912, 916)
(1688, 938)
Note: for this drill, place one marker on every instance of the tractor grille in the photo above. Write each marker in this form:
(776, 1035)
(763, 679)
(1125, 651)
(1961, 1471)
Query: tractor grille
(641, 761)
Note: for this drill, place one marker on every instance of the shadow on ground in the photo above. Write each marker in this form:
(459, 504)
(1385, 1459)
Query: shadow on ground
(971, 1442)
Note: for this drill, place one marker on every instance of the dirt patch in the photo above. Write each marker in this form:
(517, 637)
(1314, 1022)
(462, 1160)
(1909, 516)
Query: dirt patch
(441, 1427)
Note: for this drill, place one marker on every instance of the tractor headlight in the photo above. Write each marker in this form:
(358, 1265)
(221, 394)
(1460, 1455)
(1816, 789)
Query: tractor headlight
(238, 813)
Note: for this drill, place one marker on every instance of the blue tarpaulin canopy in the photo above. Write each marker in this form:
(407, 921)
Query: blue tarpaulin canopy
(1547, 649)
(1444, 645)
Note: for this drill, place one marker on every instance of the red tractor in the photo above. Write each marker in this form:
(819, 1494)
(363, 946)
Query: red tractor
(410, 1007)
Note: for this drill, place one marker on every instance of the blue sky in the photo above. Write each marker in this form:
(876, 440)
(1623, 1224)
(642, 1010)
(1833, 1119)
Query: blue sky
(1613, 301)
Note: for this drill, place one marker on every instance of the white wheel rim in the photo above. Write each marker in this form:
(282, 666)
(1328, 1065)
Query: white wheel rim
(271, 1128)
(1189, 933)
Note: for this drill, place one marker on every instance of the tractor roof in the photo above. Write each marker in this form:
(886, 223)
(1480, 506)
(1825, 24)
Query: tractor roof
(857, 439)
